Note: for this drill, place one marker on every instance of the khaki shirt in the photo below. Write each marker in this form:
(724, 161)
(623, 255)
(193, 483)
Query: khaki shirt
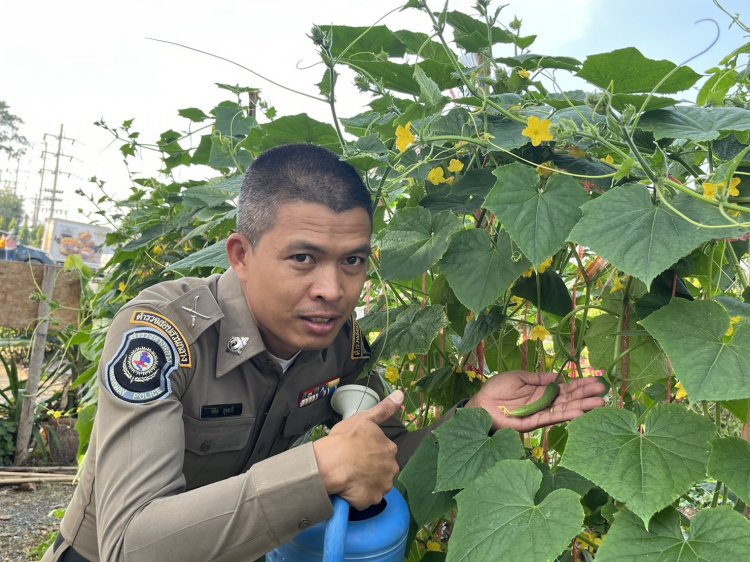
(196, 463)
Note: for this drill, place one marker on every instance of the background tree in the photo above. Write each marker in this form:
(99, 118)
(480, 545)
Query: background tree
(11, 209)
(11, 142)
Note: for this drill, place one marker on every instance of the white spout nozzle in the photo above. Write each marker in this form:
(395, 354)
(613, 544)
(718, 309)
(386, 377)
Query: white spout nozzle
(352, 398)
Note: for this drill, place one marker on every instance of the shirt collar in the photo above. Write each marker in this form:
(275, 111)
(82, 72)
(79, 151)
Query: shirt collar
(238, 322)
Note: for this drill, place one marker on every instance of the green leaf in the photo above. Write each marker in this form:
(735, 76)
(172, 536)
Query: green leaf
(477, 272)
(499, 517)
(730, 463)
(530, 61)
(430, 93)
(412, 331)
(714, 90)
(400, 76)
(620, 101)
(465, 196)
(647, 467)
(471, 34)
(506, 134)
(713, 535)
(555, 295)
(709, 364)
(538, 221)
(627, 71)
(295, 129)
(694, 123)
(647, 362)
(447, 386)
(486, 323)
(642, 239)
(231, 119)
(357, 40)
(366, 153)
(467, 450)
(414, 241)
(420, 44)
(193, 113)
(419, 478)
(214, 256)
(560, 477)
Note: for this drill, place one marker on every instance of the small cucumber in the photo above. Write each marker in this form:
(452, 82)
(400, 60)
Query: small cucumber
(549, 395)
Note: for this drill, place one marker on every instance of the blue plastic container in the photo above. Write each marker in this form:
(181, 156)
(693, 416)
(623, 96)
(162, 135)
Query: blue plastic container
(377, 534)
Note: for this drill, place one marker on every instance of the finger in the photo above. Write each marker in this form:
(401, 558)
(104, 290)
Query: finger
(581, 388)
(538, 379)
(386, 408)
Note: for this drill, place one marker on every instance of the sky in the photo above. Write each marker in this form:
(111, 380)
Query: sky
(76, 62)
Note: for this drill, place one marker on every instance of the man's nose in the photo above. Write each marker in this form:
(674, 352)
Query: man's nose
(328, 284)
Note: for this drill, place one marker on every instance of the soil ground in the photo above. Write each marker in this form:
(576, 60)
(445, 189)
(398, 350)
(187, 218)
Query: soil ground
(25, 520)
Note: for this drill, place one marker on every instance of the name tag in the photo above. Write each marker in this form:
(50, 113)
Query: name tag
(220, 410)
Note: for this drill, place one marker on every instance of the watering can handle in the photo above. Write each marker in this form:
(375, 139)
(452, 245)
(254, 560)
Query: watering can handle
(335, 537)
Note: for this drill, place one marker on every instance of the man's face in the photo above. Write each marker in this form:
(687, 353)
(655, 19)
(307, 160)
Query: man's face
(304, 277)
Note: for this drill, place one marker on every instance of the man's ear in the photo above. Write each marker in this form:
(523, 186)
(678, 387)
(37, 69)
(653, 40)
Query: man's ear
(238, 249)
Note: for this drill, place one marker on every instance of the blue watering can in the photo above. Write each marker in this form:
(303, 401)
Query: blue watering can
(377, 534)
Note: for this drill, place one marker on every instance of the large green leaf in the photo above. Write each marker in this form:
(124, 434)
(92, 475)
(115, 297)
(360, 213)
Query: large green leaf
(647, 363)
(481, 326)
(531, 61)
(646, 466)
(714, 535)
(298, 128)
(554, 478)
(420, 44)
(419, 478)
(471, 34)
(467, 450)
(499, 519)
(358, 40)
(477, 272)
(730, 463)
(538, 221)
(400, 76)
(465, 196)
(695, 123)
(627, 71)
(411, 332)
(414, 241)
(505, 134)
(552, 288)
(709, 364)
(210, 256)
(642, 239)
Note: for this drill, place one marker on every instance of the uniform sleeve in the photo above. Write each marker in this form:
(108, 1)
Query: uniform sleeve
(143, 511)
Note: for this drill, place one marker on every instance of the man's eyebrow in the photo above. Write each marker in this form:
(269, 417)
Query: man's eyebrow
(303, 246)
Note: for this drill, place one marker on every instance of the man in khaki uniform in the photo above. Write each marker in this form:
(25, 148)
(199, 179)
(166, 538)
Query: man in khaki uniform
(205, 385)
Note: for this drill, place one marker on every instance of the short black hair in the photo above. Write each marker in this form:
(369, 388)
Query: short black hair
(296, 172)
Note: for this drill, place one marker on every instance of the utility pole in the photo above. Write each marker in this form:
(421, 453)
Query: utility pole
(38, 199)
(55, 174)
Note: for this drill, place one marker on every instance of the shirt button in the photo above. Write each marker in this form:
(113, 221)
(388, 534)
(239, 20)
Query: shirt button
(205, 446)
(304, 523)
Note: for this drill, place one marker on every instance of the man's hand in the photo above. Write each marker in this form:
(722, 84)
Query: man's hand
(356, 460)
(518, 388)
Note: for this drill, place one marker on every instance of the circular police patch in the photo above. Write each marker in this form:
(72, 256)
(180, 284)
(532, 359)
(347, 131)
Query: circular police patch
(140, 370)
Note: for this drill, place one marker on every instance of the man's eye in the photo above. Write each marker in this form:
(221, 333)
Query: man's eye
(354, 260)
(302, 258)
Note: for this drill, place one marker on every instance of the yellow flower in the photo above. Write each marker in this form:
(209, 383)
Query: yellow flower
(376, 254)
(537, 453)
(544, 266)
(591, 539)
(576, 152)
(157, 250)
(434, 546)
(122, 286)
(539, 332)
(404, 137)
(436, 176)
(609, 160)
(57, 414)
(517, 301)
(411, 357)
(617, 285)
(544, 170)
(733, 321)
(538, 130)
(523, 73)
(712, 190)
(455, 166)
(450, 180)
(681, 392)
(392, 375)
(471, 375)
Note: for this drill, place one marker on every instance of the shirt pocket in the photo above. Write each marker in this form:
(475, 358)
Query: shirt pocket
(209, 437)
(301, 420)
